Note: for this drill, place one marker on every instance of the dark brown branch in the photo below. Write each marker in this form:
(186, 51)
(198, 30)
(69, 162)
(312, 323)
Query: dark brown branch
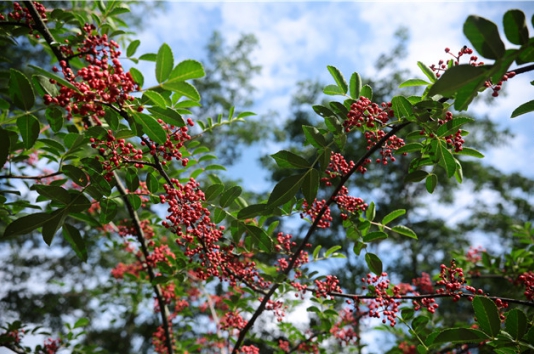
(31, 177)
(523, 69)
(144, 249)
(311, 230)
(14, 23)
(41, 27)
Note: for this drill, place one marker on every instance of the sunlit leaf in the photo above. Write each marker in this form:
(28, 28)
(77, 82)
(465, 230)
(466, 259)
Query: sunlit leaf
(164, 63)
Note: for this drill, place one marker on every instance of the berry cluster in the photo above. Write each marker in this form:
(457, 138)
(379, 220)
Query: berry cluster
(176, 138)
(454, 283)
(103, 82)
(343, 330)
(324, 288)
(384, 304)
(527, 279)
(20, 14)
(313, 211)
(456, 140)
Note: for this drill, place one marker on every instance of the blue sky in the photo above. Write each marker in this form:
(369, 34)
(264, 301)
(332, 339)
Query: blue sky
(297, 40)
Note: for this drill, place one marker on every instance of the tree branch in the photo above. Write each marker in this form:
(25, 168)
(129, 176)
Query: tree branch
(311, 230)
(31, 177)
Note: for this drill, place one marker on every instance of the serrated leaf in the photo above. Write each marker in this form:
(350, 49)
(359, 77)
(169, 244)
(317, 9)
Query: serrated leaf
(260, 237)
(458, 77)
(73, 237)
(446, 159)
(25, 224)
(183, 88)
(285, 190)
(338, 78)
(516, 323)
(43, 86)
(370, 213)
(427, 71)
(452, 126)
(287, 159)
(187, 69)
(168, 115)
(313, 136)
(405, 231)
(373, 263)
(367, 91)
(470, 152)
(375, 236)
(137, 76)
(322, 110)
(393, 215)
(154, 98)
(414, 82)
(459, 335)
(213, 191)
(164, 63)
(431, 183)
(310, 185)
(20, 90)
(355, 85)
(484, 36)
(229, 196)
(487, 315)
(333, 90)
(58, 79)
(331, 251)
(29, 129)
(401, 107)
(151, 127)
(55, 193)
(523, 108)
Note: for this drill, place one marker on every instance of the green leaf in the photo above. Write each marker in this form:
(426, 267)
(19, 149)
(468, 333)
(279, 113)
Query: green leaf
(213, 191)
(164, 63)
(516, 323)
(29, 129)
(402, 107)
(323, 111)
(414, 82)
(168, 115)
(4, 146)
(58, 79)
(416, 176)
(187, 69)
(54, 193)
(452, 126)
(132, 179)
(338, 77)
(26, 224)
(324, 158)
(457, 78)
(82, 322)
(287, 159)
(54, 117)
(148, 57)
(484, 36)
(446, 159)
(229, 196)
(367, 91)
(260, 237)
(313, 136)
(487, 315)
(431, 183)
(310, 185)
(333, 90)
(374, 263)
(403, 230)
(251, 211)
(20, 90)
(134, 200)
(152, 183)
(375, 236)
(515, 27)
(132, 48)
(53, 224)
(523, 108)
(183, 88)
(137, 76)
(459, 335)
(154, 98)
(427, 71)
(411, 147)
(108, 210)
(331, 251)
(151, 127)
(470, 152)
(43, 86)
(370, 213)
(73, 237)
(285, 190)
(316, 251)
(355, 85)
(393, 215)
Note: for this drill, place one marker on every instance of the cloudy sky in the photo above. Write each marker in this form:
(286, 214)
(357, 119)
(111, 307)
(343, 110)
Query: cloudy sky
(298, 39)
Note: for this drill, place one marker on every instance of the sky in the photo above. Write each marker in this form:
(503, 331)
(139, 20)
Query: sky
(298, 39)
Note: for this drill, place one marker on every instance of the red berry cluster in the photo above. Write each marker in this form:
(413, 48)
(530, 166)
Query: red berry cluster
(424, 284)
(159, 340)
(456, 140)
(249, 349)
(527, 279)
(343, 330)
(384, 304)
(176, 138)
(232, 320)
(314, 210)
(324, 288)
(454, 283)
(498, 86)
(51, 346)
(349, 204)
(277, 307)
(103, 82)
(20, 14)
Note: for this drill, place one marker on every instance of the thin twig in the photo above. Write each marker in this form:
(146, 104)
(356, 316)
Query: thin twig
(293, 260)
(31, 177)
